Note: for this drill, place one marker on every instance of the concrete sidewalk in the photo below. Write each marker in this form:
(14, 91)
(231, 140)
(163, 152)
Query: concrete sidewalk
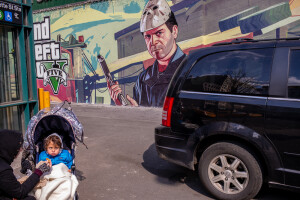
(80, 110)
(121, 161)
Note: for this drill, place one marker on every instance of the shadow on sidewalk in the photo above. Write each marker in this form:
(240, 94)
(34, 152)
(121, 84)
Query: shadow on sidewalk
(79, 175)
(171, 174)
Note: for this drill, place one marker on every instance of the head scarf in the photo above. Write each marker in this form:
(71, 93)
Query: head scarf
(58, 137)
(10, 144)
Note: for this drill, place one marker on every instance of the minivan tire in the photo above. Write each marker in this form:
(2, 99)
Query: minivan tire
(230, 171)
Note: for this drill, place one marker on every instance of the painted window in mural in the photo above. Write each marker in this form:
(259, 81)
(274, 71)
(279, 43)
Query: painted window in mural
(142, 54)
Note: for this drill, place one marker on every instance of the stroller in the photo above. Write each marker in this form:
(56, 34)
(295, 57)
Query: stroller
(59, 120)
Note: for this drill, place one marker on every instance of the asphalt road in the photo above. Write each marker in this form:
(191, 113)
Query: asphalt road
(121, 162)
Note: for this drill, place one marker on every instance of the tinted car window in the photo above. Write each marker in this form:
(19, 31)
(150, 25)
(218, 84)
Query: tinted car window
(232, 72)
(294, 75)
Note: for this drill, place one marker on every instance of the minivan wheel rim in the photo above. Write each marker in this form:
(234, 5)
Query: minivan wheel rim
(228, 174)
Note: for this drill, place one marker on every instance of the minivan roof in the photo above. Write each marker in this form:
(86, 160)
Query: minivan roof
(198, 53)
(250, 40)
(245, 43)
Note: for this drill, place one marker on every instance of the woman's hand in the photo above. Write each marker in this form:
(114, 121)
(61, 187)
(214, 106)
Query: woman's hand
(44, 166)
(40, 163)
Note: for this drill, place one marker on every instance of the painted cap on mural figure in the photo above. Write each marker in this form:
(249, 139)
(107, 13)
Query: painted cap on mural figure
(155, 14)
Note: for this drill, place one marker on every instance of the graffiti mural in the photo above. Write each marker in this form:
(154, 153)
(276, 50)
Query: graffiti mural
(159, 28)
(49, 65)
(116, 31)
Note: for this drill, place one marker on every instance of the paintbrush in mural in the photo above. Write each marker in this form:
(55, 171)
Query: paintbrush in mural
(109, 79)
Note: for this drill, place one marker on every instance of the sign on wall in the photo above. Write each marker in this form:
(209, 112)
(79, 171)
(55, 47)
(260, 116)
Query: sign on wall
(49, 65)
(10, 12)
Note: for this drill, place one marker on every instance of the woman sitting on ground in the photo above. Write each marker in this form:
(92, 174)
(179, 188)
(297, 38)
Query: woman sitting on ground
(10, 146)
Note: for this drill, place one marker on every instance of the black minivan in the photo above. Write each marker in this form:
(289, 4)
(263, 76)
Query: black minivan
(232, 111)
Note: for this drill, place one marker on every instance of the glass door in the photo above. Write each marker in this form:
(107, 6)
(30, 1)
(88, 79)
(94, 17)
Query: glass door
(9, 79)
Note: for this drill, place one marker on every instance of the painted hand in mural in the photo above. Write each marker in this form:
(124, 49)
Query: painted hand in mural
(131, 101)
(115, 90)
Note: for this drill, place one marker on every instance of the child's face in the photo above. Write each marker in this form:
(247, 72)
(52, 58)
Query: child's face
(53, 149)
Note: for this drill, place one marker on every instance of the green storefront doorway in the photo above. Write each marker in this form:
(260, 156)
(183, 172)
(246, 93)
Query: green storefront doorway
(18, 92)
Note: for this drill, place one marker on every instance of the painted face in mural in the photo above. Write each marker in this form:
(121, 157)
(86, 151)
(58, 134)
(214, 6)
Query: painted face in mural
(161, 42)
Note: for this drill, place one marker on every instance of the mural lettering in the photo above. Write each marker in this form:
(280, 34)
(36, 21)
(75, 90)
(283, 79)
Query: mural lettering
(55, 74)
(42, 30)
(49, 65)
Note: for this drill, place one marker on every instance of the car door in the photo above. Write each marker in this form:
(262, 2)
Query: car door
(283, 111)
(228, 87)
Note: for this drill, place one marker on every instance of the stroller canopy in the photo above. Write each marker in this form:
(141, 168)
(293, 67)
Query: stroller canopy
(58, 120)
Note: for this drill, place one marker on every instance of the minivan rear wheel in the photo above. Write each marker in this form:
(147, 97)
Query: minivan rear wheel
(230, 171)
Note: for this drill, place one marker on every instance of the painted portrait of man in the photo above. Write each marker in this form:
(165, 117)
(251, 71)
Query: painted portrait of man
(159, 28)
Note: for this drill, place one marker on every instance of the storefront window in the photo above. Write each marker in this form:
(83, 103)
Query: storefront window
(9, 79)
(11, 118)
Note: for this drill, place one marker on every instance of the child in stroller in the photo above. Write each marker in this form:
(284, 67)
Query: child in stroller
(64, 123)
(54, 151)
